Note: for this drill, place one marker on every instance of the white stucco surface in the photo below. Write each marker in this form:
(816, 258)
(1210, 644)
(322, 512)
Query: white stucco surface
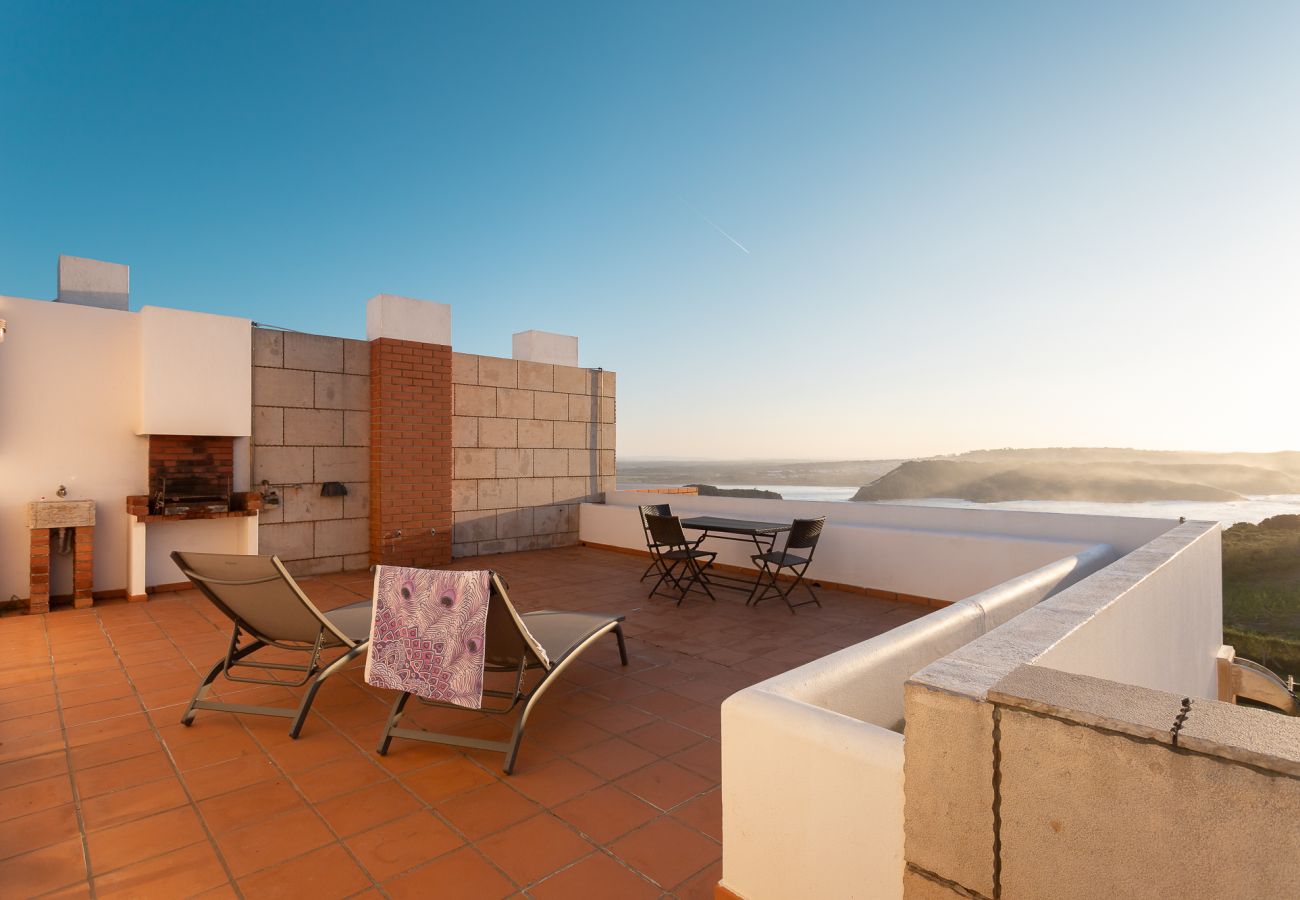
(545, 347)
(408, 319)
(196, 373)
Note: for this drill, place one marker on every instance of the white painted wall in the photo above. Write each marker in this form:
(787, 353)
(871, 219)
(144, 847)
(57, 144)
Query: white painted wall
(196, 373)
(70, 395)
(812, 759)
(946, 554)
(545, 347)
(408, 319)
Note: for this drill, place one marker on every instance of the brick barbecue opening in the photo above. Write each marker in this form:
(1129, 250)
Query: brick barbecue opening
(190, 473)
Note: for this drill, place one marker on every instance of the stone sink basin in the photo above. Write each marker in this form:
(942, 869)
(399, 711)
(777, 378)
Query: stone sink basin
(60, 513)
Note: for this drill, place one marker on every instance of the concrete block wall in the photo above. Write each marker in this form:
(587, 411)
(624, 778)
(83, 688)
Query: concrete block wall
(530, 442)
(311, 425)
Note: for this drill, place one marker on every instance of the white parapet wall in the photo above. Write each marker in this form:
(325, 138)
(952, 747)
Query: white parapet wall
(937, 553)
(812, 759)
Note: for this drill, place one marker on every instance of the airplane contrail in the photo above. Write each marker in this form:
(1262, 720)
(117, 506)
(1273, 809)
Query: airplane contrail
(715, 225)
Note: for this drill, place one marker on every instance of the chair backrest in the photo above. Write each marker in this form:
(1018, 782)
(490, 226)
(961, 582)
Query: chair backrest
(654, 509)
(259, 595)
(666, 531)
(507, 639)
(804, 534)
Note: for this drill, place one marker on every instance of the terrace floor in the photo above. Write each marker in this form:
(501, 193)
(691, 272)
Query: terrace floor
(615, 794)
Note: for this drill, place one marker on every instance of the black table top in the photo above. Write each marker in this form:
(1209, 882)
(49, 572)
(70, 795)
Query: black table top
(734, 526)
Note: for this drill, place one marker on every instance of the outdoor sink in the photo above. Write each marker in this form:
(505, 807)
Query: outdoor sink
(60, 513)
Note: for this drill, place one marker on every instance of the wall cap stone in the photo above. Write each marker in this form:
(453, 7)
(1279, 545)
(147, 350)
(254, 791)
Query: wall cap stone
(408, 319)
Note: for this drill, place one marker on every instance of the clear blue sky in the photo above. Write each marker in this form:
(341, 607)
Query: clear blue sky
(968, 225)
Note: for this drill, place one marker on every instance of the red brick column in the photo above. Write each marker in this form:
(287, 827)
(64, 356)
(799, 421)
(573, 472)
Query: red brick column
(83, 565)
(40, 571)
(410, 453)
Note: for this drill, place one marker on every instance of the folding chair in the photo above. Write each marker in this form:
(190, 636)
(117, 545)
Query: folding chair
(803, 535)
(676, 552)
(516, 643)
(267, 606)
(656, 564)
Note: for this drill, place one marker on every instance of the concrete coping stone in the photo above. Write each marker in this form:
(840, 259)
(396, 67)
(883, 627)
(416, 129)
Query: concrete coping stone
(1254, 737)
(975, 668)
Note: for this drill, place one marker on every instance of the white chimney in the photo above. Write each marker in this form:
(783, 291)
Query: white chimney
(92, 282)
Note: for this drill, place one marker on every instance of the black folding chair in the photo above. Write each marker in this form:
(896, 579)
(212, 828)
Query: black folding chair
(656, 509)
(679, 557)
(803, 535)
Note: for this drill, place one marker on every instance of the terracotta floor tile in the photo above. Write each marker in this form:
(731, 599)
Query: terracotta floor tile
(667, 851)
(613, 758)
(122, 845)
(132, 803)
(370, 806)
(606, 813)
(663, 738)
(702, 885)
(272, 841)
(315, 747)
(595, 876)
(180, 873)
(487, 810)
(97, 712)
(665, 784)
(402, 844)
(704, 759)
(28, 833)
(703, 814)
(125, 773)
(209, 740)
(323, 874)
(459, 875)
(248, 805)
(534, 848)
(58, 866)
(25, 799)
(663, 703)
(438, 782)
(29, 725)
(618, 718)
(341, 776)
(566, 735)
(109, 729)
(113, 750)
(554, 782)
(230, 775)
(33, 768)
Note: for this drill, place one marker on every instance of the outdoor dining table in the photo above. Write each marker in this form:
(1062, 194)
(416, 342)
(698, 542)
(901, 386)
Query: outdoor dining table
(761, 534)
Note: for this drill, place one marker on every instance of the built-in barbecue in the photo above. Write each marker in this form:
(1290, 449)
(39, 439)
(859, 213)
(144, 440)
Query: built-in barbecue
(190, 475)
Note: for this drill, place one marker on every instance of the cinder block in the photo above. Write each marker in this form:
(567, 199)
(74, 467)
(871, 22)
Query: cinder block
(313, 351)
(581, 462)
(572, 435)
(550, 463)
(608, 410)
(464, 431)
(536, 433)
(460, 551)
(497, 493)
(469, 400)
(514, 404)
(534, 491)
(498, 433)
(515, 523)
(356, 504)
(282, 465)
(572, 490)
(551, 406)
(287, 541)
(488, 548)
(356, 428)
(497, 372)
(300, 568)
(303, 503)
(334, 391)
(268, 347)
(268, 426)
(514, 463)
(535, 376)
(464, 368)
(342, 464)
(355, 562)
(948, 770)
(607, 384)
(468, 462)
(342, 536)
(464, 494)
(548, 519)
(474, 526)
(580, 408)
(314, 427)
(356, 358)
(607, 462)
(282, 387)
(572, 380)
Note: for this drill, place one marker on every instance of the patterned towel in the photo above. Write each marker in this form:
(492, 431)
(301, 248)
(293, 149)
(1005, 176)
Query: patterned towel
(426, 637)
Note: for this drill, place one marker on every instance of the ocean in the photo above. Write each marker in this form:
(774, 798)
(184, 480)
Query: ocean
(1251, 509)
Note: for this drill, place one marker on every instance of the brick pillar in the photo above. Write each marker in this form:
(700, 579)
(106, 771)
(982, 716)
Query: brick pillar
(83, 565)
(410, 453)
(40, 571)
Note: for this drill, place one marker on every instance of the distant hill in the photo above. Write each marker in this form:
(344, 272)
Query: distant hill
(708, 490)
(845, 473)
(1103, 476)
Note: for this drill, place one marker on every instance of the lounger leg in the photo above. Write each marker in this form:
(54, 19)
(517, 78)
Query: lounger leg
(233, 656)
(396, 713)
(305, 706)
(622, 644)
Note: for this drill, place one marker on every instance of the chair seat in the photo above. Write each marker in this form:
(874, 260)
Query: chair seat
(353, 619)
(687, 554)
(560, 632)
(780, 558)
